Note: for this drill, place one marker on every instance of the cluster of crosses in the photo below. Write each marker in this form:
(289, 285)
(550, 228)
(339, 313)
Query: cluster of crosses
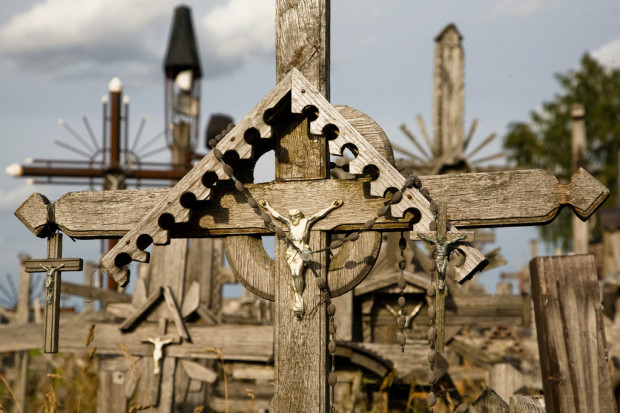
(217, 199)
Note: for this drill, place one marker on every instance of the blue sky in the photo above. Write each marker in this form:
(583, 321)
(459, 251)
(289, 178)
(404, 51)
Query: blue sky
(57, 57)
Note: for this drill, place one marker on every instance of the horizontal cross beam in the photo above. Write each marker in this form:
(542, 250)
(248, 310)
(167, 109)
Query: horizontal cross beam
(63, 264)
(474, 200)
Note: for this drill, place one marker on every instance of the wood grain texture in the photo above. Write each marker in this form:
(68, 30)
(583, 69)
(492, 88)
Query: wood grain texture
(175, 313)
(302, 40)
(250, 343)
(94, 293)
(474, 200)
(527, 404)
(300, 355)
(52, 297)
(571, 335)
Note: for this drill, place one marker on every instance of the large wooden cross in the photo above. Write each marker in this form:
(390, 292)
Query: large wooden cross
(297, 120)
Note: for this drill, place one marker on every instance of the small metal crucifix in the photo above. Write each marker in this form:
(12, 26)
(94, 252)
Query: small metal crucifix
(443, 243)
(53, 266)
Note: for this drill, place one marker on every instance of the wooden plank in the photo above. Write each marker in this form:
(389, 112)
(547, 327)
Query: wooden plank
(196, 371)
(581, 229)
(175, 312)
(22, 315)
(191, 300)
(527, 404)
(52, 296)
(250, 343)
(489, 402)
(141, 311)
(68, 264)
(107, 296)
(511, 198)
(571, 335)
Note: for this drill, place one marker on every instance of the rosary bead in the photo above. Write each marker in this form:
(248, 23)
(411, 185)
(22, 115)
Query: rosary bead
(332, 329)
(332, 347)
(432, 334)
(416, 182)
(434, 208)
(402, 264)
(331, 309)
(217, 153)
(336, 244)
(266, 217)
(432, 377)
(382, 210)
(432, 356)
(431, 291)
(402, 320)
(369, 224)
(212, 143)
(432, 226)
(401, 302)
(402, 283)
(408, 182)
(425, 192)
(228, 170)
(354, 236)
(402, 340)
(431, 399)
(332, 379)
(252, 202)
(402, 243)
(397, 197)
(432, 312)
(279, 232)
(239, 186)
(321, 284)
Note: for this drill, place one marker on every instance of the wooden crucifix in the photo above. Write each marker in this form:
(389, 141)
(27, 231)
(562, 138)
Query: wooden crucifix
(443, 242)
(53, 266)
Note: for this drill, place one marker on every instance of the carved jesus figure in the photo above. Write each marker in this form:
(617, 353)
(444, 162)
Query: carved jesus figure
(298, 251)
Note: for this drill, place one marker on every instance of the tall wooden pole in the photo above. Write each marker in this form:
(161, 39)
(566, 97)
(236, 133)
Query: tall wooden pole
(581, 233)
(302, 42)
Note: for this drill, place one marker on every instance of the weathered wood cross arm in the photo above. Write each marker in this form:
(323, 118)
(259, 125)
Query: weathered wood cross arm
(293, 94)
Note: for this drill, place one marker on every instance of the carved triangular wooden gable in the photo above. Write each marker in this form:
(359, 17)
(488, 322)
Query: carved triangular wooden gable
(174, 208)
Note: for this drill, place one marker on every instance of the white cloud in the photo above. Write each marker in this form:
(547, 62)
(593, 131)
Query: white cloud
(68, 39)
(608, 54)
(75, 38)
(515, 8)
(11, 199)
(237, 33)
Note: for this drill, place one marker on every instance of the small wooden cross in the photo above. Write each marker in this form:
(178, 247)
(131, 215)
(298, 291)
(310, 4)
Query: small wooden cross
(443, 242)
(52, 266)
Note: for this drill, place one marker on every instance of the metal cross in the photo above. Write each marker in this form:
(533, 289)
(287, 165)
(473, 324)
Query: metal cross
(51, 266)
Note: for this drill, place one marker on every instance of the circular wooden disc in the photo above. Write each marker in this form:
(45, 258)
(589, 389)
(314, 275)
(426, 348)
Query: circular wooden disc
(255, 269)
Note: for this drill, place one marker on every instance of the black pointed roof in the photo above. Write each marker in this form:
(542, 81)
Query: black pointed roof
(182, 51)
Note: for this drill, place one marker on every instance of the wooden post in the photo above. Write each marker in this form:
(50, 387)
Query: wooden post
(448, 95)
(581, 232)
(571, 335)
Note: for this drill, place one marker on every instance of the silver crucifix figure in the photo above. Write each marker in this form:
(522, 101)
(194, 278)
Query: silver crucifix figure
(298, 252)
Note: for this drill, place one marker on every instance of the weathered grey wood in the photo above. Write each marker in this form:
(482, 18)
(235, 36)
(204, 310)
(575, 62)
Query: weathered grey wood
(489, 402)
(191, 301)
(131, 321)
(198, 372)
(581, 231)
(512, 198)
(94, 293)
(52, 296)
(175, 313)
(20, 385)
(167, 268)
(527, 404)
(110, 392)
(250, 343)
(448, 92)
(68, 264)
(571, 335)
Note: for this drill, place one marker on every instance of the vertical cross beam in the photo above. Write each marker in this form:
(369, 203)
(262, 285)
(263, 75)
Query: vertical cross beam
(52, 267)
(302, 42)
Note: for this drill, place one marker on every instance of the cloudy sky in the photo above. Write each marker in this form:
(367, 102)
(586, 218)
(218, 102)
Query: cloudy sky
(57, 57)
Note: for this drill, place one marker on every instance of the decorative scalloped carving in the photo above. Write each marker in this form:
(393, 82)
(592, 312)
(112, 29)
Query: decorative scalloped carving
(302, 95)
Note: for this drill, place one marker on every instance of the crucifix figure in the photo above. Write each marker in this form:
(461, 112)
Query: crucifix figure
(158, 351)
(298, 252)
(443, 242)
(52, 266)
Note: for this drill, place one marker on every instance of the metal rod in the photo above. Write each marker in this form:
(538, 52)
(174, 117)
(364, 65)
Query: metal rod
(427, 137)
(90, 131)
(139, 134)
(490, 157)
(64, 124)
(472, 129)
(152, 140)
(413, 139)
(72, 148)
(483, 144)
(406, 152)
(115, 128)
